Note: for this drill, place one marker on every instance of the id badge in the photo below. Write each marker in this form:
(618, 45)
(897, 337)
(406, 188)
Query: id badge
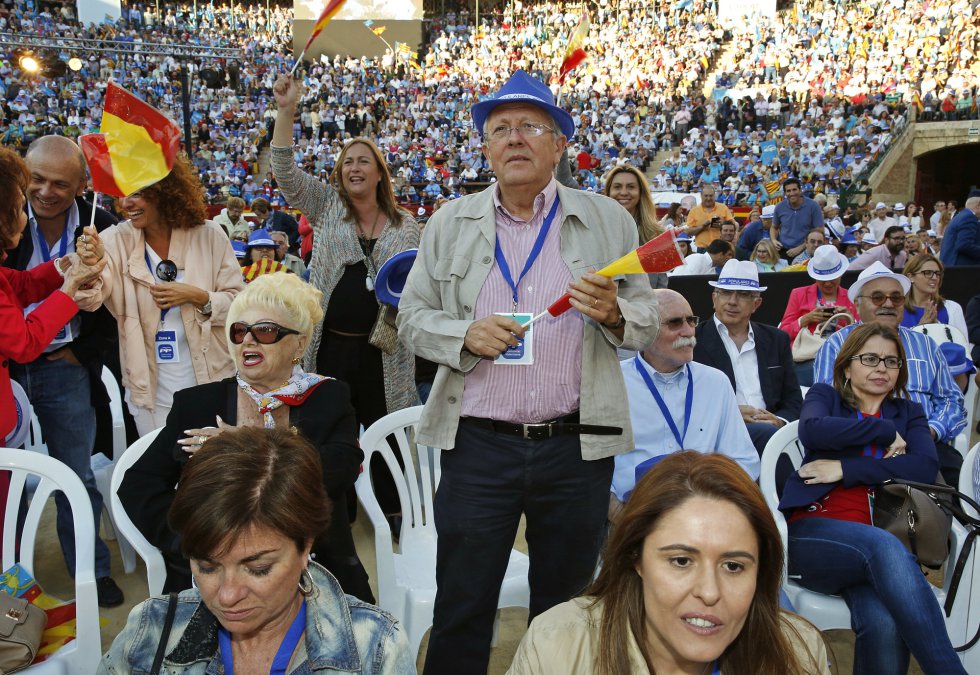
(166, 344)
(522, 354)
(63, 336)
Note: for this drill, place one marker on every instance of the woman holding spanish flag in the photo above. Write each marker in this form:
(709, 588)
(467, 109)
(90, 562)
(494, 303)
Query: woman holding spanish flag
(170, 278)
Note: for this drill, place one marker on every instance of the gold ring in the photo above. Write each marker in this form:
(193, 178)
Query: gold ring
(201, 440)
(595, 301)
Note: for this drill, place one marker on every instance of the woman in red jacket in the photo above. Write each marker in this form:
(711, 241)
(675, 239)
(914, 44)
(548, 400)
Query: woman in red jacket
(53, 284)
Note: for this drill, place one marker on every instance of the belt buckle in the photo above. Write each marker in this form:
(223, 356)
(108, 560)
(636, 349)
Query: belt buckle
(536, 432)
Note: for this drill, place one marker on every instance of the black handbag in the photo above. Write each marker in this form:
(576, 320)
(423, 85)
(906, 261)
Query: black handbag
(914, 500)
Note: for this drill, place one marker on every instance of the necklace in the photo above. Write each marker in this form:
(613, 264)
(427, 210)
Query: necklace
(367, 242)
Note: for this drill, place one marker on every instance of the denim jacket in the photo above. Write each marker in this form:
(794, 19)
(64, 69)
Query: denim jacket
(343, 634)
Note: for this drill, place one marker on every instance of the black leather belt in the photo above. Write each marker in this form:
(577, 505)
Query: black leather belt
(567, 425)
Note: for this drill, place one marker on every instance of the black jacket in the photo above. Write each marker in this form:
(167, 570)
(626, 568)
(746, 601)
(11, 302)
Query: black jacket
(326, 419)
(777, 375)
(98, 334)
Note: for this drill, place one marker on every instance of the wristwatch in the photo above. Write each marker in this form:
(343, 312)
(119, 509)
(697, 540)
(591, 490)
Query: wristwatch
(206, 310)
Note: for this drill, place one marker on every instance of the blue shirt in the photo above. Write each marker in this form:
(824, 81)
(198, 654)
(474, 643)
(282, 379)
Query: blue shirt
(795, 223)
(716, 424)
(930, 384)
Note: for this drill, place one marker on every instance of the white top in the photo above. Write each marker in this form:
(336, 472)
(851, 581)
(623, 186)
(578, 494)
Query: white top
(715, 425)
(745, 364)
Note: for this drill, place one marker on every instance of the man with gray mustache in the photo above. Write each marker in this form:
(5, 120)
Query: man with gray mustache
(676, 404)
(879, 295)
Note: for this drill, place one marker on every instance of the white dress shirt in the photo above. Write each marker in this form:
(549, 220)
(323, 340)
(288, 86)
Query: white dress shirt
(745, 364)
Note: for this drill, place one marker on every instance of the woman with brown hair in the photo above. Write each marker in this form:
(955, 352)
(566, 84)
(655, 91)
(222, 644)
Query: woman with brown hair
(246, 514)
(357, 227)
(858, 433)
(924, 304)
(689, 583)
(170, 278)
(628, 186)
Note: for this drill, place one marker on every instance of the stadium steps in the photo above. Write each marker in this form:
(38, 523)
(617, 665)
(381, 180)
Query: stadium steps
(725, 61)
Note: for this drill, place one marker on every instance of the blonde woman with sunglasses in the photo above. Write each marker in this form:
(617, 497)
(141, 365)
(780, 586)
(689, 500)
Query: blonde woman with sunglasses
(268, 328)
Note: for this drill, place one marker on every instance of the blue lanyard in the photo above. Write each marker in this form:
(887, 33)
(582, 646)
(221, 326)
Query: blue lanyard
(535, 252)
(149, 266)
(43, 244)
(688, 401)
(716, 670)
(286, 649)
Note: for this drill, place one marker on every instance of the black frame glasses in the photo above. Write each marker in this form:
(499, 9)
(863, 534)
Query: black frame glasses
(679, 321)
(872, 360)
(264, 332)
(931, 274)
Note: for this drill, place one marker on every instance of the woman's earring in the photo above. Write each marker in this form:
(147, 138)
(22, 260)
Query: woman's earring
(308, 578)
(297, 360)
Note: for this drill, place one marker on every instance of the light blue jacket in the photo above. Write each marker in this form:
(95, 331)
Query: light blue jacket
(343, 635)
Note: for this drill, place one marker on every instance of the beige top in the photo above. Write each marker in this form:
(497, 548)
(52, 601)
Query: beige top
(208, 261)
(565, 640)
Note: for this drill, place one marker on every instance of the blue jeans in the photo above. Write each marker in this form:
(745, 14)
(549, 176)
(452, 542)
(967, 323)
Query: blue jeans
(893, 609)
(487, 482)
(60, 394)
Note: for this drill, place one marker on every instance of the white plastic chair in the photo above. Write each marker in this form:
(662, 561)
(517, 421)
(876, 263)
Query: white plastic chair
(407, 579)
(940, 333)
(966, 481)
(943, 332)
(82, 654)
(156, 570)
(830, 611)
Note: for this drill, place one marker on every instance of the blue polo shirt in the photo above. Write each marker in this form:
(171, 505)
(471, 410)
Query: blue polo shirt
(795, 223)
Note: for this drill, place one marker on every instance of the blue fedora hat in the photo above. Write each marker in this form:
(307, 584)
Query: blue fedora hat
(522, 88)
(392, 276)
(260, 238)
(240, 249)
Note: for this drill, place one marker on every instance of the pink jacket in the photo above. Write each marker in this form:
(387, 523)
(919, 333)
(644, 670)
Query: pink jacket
(802, 300)
(205, 255)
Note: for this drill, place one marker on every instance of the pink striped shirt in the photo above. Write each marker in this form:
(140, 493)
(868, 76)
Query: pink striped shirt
(549, 387)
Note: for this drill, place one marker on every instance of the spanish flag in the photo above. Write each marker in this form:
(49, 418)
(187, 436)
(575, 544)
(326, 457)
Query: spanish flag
(137, 145)
(660, 254)
(333, 6)
(575, 52)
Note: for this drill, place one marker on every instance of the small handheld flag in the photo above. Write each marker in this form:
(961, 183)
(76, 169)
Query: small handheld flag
(575, 52)
(660, 254)
(333, 6)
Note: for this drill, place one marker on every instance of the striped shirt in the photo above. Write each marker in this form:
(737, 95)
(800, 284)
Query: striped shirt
(549, 387)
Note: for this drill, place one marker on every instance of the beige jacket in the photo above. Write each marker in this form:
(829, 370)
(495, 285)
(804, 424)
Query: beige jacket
(454, 261)
(208, 261)
(565, 641)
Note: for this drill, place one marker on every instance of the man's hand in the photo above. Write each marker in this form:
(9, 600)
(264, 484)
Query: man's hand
(822, 471)
(64, 354)
(595, 296)
(752, 415)
(174, 294)
(796, 250)
(490, 336)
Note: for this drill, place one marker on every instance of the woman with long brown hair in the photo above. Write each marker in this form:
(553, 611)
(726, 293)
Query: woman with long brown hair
(357, 227)
(689, 583)
(628, 186)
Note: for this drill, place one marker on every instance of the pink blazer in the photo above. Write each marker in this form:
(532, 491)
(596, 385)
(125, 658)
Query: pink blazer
(802, 300)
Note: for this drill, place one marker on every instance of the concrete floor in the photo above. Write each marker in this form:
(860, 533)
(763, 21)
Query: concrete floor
(51, 573)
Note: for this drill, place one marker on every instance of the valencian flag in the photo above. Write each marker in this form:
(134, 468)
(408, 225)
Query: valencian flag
(660, 254)
(137, 145)
(333, 6)
(575, 52)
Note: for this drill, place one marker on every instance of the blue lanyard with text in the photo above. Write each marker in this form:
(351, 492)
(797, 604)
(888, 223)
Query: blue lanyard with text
(535, 252)
(43, 244)
(688, 401)
(286, 649)
(149, 266)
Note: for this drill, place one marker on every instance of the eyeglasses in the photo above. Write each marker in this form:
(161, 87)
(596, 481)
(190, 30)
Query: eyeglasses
(872, 361)
(679, 321)
(931, 274)
(526, 130)
(878, 298)
(739, 295)
(264, 332)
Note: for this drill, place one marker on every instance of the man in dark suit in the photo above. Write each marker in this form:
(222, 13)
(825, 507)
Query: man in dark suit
(64, 384)
(275, 220)
(756, 358)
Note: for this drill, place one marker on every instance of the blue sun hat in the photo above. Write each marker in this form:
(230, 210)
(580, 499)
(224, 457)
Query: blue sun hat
(522, 88)
(393, 275)
(240, 249)
(260, 237)
(956, 359)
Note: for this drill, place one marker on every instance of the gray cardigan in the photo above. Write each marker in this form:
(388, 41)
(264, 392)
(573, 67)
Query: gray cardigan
(335, 246)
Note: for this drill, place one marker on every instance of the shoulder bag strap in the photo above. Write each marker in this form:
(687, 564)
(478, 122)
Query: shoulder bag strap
(165, 636)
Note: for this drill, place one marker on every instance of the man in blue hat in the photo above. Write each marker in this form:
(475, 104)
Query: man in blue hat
(532, 417)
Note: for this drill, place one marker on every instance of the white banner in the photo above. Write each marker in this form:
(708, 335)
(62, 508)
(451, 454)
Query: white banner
(98, 11)
(359, 10)
(736, 9)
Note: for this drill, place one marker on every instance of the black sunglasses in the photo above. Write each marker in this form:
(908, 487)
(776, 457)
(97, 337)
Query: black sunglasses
(166, 270)
(264, 332)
